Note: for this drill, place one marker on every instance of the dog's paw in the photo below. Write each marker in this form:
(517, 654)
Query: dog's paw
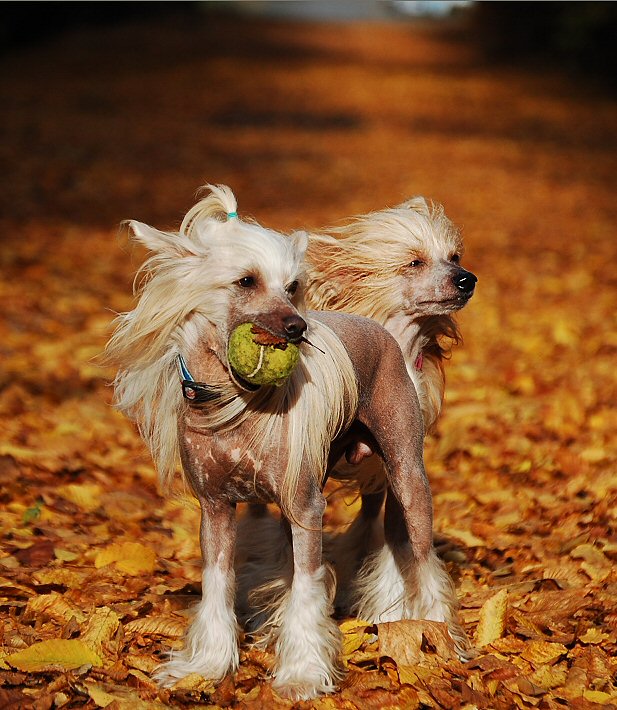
(180, 666)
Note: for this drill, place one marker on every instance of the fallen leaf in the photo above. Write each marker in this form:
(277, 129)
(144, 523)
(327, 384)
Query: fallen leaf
(85, 495)
(55, 606)
(172, 626)
(64, 654)
(540, 652)
(408, 641)
(492, 621)
(101, 626)
(130, 557)
(195, 683)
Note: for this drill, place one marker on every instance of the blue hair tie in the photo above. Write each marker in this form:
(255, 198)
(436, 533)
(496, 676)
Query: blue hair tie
(231, 215)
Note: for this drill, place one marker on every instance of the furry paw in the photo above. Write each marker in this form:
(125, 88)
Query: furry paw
(212, 666)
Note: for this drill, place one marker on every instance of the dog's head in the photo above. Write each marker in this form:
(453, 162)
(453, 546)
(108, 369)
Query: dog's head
(226, 271)
(399, 261)
(433, 282)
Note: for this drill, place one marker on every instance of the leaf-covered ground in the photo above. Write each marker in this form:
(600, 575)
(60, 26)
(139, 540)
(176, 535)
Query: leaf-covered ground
(309, 123)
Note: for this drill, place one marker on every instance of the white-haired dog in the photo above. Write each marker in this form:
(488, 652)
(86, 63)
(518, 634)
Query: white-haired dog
(401, 267)
(243, 443)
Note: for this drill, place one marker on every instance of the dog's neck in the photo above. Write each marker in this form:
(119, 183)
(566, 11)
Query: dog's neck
(408, 334)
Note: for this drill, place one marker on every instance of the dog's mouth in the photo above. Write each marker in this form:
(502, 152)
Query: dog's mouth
(448, 304)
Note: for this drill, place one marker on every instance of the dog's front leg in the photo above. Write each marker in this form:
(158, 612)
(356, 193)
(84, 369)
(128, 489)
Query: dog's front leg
(309, 641)
(211, 644)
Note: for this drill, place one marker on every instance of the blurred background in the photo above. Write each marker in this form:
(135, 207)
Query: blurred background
(505, 113)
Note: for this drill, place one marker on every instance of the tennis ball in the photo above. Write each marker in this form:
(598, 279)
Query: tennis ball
(260, 358)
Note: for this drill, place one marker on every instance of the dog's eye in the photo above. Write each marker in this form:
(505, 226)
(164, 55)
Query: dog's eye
(455, 258)
(246, 281)
(292, 288)
(415, 263)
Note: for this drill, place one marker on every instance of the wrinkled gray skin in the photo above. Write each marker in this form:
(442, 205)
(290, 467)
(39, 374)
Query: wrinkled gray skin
(388, 421)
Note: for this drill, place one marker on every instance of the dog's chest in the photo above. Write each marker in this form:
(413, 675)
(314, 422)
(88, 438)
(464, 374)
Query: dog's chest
(223, 467)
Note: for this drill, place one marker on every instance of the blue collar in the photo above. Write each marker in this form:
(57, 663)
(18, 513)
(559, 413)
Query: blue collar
(195, 392)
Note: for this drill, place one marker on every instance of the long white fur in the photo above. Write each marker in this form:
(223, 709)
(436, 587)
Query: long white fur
(211, 643)
(308, 640)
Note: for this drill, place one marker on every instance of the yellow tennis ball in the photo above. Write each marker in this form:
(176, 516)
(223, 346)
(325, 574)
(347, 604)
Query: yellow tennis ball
(260, 358)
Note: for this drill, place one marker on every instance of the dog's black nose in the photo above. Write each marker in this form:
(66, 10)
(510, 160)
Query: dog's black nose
(294, 327)
(465, 281)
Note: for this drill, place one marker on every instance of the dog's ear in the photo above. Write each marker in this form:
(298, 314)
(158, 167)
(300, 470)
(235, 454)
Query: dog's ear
(418, 204)
(300, 241)
(155, 240)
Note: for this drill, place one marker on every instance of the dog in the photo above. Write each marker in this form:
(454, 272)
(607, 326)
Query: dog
(242, 443)
(402, 267)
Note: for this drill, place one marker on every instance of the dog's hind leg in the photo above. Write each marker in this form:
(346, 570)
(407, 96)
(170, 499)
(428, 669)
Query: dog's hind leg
(405, 578)
(348, 550)
(394, 584)
(264, 568)
(211, 644)
(309, 641)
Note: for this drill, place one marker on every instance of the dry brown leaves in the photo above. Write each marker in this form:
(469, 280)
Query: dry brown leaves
(97, 571)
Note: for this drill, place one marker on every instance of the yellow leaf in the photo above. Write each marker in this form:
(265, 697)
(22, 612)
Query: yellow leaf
(130, 557)
(55, 606)
(60, 575)
(352, 625)
(85, 495)
(465, 536)
(101, 698)
(147, 664)
(539, 652)
(100, 628)
(492, 619)
(593, 636)
(596, 574)
(65, 555)
(194, 682)
(64, 654)
(598, 696)
(548, 677)
(407, 675)
(591, 555)
(354, 635)
(353, 641)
